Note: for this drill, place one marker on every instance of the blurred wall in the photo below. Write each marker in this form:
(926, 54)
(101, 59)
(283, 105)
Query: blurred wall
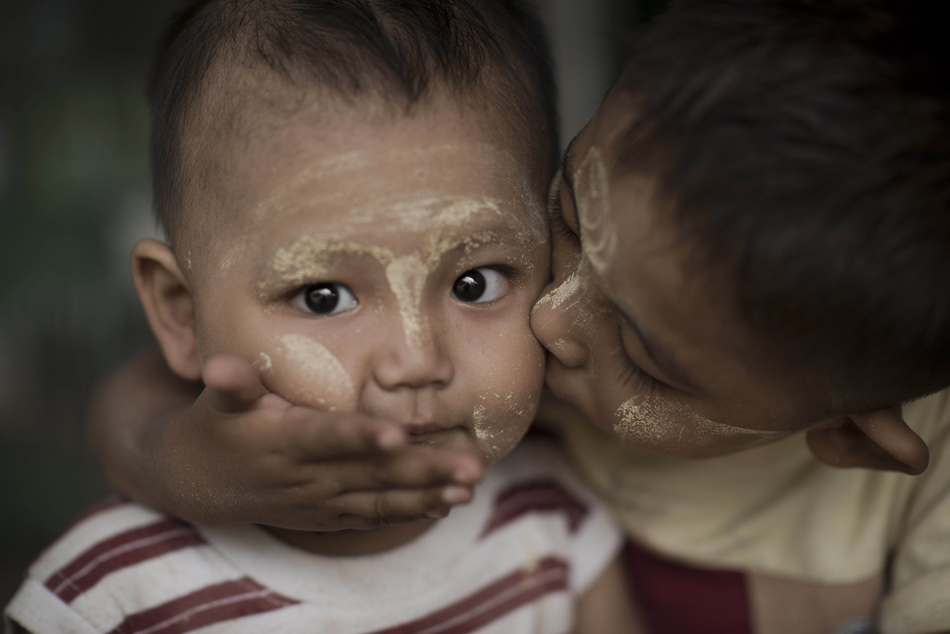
(74, 198)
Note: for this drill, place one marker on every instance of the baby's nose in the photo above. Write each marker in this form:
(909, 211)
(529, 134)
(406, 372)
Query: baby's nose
(419, 362)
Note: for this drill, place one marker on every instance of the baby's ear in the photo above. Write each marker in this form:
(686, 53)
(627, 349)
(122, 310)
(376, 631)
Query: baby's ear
(879, 439)
(169, 306)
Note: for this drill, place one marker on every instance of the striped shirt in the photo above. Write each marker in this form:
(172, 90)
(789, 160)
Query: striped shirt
(515, 560)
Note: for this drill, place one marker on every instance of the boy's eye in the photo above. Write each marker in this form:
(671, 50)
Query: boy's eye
(479, 285)
(328, 299)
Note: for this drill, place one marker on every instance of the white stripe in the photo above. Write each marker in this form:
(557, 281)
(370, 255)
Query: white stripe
(545, 576)
(115, 552)
(88, 533)
(204, 606)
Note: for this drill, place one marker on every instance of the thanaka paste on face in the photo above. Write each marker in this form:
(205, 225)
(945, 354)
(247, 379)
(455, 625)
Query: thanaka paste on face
(319, 369)
(309, 258)
(264, 363)
(425, 211)
(650, 419)
(593, 210)
(407, 279)
(404, 217)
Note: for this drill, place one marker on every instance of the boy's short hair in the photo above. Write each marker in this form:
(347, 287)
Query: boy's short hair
(803, 150)
(393, 53)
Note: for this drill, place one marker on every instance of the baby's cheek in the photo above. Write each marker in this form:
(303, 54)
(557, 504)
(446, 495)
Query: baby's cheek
(508, 395)
(306, 372)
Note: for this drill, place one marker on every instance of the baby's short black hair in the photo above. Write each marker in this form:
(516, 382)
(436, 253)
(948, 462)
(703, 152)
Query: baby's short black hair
(392, 52)
(803, 150)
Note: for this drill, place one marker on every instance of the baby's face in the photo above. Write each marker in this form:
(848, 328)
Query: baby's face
(388, 268)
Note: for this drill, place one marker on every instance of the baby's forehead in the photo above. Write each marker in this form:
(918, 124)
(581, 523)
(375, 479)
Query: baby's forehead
(408, 181)
(311, 173)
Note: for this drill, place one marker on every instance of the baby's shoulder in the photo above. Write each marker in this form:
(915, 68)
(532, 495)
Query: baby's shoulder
(115, 560)
(106, 538)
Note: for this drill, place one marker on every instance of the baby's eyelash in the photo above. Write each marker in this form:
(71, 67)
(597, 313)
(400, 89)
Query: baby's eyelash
(631, 373)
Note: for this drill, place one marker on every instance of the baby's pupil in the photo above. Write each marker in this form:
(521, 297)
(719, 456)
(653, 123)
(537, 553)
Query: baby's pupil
(322, 298)
(469, 286)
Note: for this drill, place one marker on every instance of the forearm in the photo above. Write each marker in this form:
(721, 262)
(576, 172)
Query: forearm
(126, 414)
(609, 607)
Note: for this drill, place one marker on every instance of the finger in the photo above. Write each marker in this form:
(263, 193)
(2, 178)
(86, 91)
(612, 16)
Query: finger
(319, 436)
(408, 468)
(433, 502)
(233, 382)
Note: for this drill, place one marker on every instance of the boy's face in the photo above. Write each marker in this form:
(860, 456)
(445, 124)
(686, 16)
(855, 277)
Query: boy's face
(385, 267)
(638, 343)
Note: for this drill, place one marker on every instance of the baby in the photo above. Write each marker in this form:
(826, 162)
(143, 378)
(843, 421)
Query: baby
(354, 196)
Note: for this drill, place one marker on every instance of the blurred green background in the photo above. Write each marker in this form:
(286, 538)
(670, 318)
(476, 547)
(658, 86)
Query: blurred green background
(74, 197)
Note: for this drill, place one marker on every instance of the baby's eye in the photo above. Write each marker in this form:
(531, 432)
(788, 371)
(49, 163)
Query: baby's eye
(328, 299)
(479, 285)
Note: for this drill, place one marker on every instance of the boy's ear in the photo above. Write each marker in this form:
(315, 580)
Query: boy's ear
(167, 300)
(879, 439)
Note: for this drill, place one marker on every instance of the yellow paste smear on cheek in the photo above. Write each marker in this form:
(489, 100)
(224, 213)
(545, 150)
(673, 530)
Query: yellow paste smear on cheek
(649, 419)
(593, 210)
(325, 379)
(480, 422)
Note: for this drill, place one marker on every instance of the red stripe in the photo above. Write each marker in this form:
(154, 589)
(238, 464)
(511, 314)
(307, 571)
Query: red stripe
(122, 550)
(491, 602)
(213, 604)
(529, 497)
(718, 601)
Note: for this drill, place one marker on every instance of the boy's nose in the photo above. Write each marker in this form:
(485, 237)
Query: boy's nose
(402, 363)
(554, 326)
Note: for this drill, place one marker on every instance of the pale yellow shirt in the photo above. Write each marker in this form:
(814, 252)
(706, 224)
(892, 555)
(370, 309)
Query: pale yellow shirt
(777, 512)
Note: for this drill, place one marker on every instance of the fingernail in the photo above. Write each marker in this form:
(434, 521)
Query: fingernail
(437, 514)
(455, 495)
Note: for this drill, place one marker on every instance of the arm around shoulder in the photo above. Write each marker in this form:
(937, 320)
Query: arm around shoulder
(126, 413)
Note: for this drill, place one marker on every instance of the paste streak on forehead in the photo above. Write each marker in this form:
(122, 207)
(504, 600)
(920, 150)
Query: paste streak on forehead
(326, 380)
(440, 220)
(308, 259)
(593, 209)
(649, 418)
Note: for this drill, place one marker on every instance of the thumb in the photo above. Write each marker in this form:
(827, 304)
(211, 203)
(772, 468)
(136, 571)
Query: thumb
(233, 383)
